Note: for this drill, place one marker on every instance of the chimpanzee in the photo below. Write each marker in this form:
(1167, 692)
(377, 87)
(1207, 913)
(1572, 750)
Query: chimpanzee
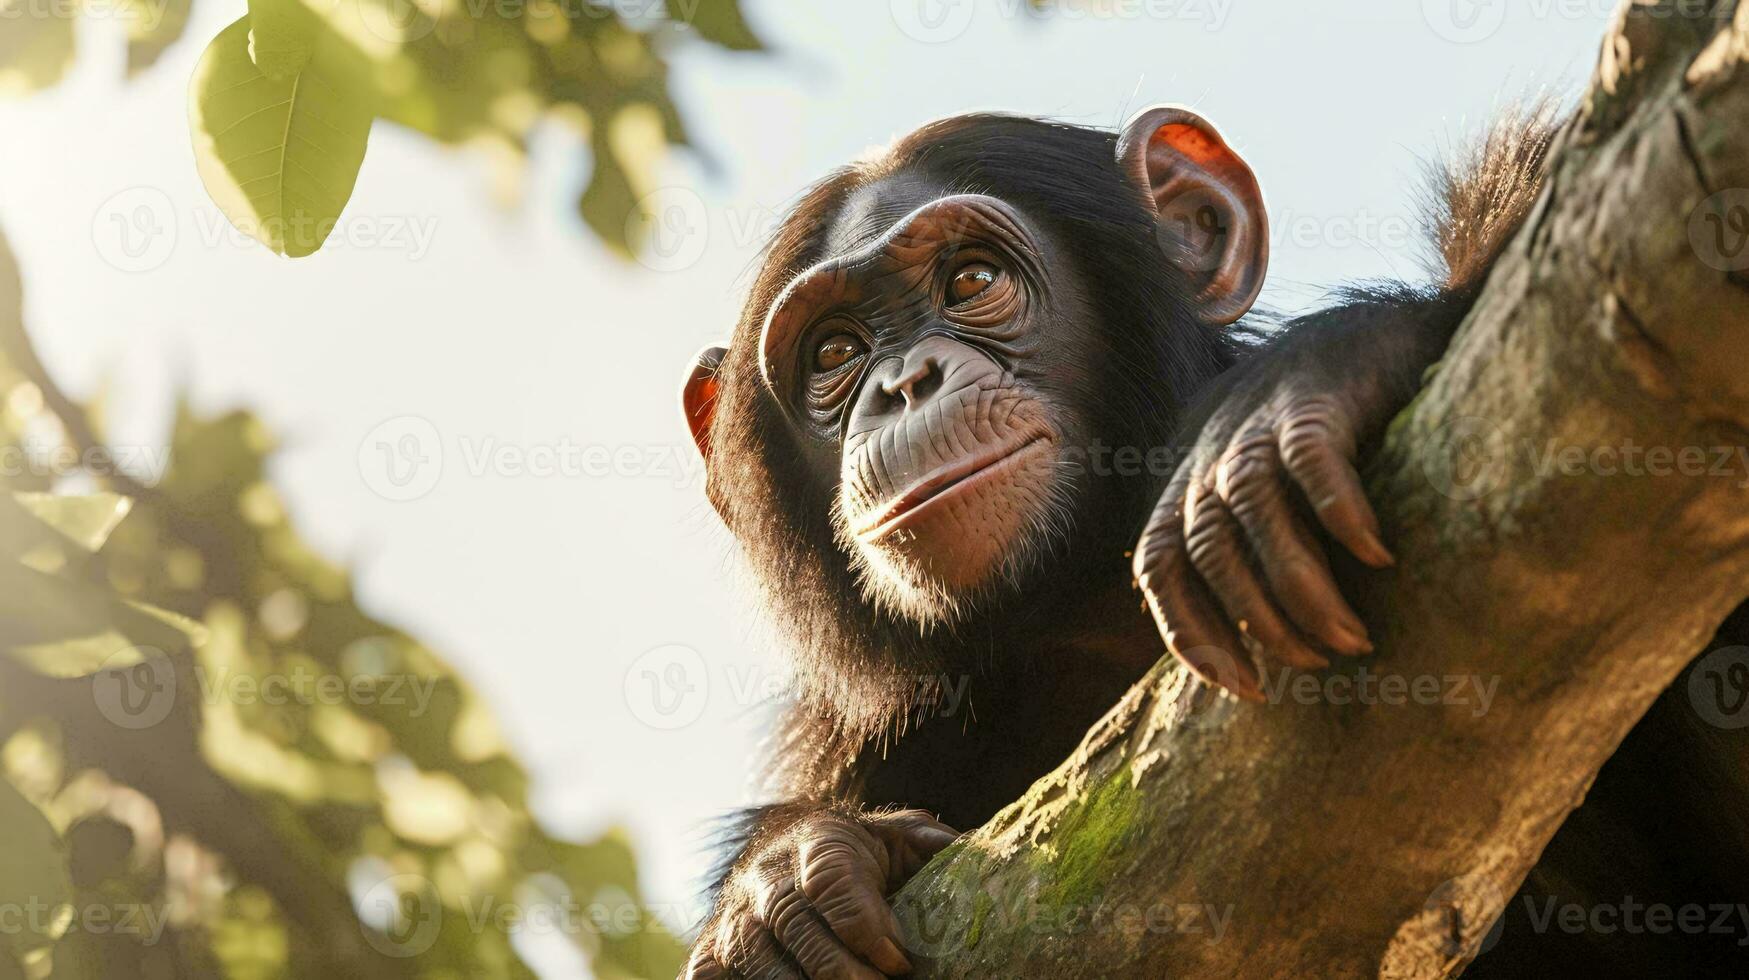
(944, 435)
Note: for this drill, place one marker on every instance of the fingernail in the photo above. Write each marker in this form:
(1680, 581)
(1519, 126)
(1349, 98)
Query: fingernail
(1248, 692)
(1378, 555)
(895, 961)
(1350, 624)
(1354, 640)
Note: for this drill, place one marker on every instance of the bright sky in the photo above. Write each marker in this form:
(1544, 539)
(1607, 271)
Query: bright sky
(506, 341)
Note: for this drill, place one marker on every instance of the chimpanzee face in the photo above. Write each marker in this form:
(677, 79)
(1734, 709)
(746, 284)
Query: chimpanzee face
(935, 365)
(915, 363)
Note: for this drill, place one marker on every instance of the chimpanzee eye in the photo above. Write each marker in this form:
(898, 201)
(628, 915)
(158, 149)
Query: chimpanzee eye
(969, 280)
(836, 351)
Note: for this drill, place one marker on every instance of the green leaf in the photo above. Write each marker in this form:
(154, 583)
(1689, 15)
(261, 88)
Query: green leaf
(720, 22)
(36, 45)
(155, 25)
(608, 199)
(61, 626)
(279, 156)
(14, 343)
(33, 875)
(85, 520)
(57, 534)
(627, 146)
(282, 35)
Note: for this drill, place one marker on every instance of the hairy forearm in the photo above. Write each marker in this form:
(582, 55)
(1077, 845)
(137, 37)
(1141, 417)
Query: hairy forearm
(1374, 348)
(752, 829)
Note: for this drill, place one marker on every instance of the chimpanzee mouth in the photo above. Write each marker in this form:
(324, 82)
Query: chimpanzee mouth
(950, 480)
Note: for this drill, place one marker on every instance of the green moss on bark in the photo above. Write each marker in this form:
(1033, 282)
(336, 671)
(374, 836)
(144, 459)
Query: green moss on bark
(1087, 846)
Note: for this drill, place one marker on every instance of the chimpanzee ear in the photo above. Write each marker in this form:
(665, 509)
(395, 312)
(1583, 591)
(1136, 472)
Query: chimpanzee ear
(698, 399)
(1211, 221)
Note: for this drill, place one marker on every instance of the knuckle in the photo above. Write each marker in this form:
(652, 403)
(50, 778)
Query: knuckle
(1159, 553)
(854, 922)
(1142, 570)
(787, 910)
(1316, 404)
(1311, 433)
(1210, 541)
(1153, 554)
(739, 951)
(831, 866)
(757, 883)
(1304, 440)
(1249, 474)
(894, 827)
(1253, 443)
(703, 965)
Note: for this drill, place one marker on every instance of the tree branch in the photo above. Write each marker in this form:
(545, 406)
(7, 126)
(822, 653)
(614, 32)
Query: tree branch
(1566, 544)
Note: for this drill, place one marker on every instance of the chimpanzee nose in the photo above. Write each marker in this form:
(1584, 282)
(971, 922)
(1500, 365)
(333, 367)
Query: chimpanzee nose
(918, 377)
(919, 374)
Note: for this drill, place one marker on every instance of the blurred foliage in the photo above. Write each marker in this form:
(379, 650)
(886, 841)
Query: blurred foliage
(214, 763)
(284, 99)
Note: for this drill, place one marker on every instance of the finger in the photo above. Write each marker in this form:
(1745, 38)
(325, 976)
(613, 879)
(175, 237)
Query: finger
(1319, 452)
(1186, 615)
(912, 838)
(750, 950)
(1217, 550)
(842, 879)
(703, 964)
(1250, 481)
(805, 935)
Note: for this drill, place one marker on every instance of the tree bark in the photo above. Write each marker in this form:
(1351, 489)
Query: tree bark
(1566, 543)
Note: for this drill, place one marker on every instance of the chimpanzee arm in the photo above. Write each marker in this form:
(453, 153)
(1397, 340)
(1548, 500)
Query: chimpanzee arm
(806, 881)
(1230, 560)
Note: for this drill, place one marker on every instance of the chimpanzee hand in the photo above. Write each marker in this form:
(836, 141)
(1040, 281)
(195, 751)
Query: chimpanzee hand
(812, 902)
(1230, 561)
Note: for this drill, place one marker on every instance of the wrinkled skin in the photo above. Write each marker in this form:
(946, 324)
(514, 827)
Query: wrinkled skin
(1230, 561)
(813, 901)
(924, 352)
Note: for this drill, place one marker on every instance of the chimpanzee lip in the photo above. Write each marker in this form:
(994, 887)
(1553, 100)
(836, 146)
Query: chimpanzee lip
(947, 480)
